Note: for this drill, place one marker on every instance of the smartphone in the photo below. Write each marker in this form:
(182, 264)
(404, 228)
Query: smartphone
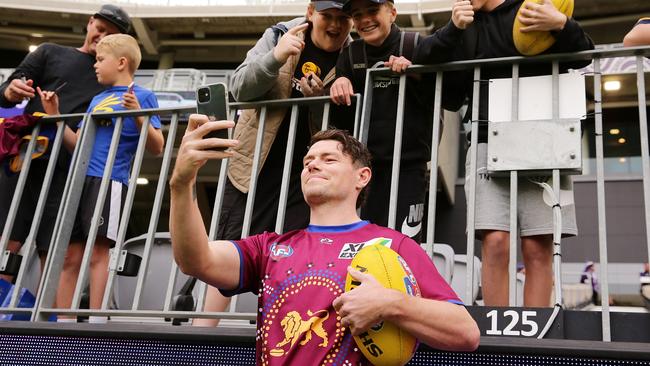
(212, 100)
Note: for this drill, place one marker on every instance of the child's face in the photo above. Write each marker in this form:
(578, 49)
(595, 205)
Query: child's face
(107, 67)
(372, 21)
(330, 28)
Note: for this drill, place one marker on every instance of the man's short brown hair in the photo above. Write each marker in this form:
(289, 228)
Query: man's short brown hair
(351, 147)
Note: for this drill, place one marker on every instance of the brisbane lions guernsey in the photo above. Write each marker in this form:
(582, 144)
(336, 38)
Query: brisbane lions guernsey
(298, 275)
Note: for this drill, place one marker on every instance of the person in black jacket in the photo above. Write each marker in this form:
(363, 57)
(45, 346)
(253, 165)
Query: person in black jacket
(383, 44)
(50, 67)
(490, 36)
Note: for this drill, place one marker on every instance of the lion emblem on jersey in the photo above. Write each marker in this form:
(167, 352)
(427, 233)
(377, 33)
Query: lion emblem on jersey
(294, 327)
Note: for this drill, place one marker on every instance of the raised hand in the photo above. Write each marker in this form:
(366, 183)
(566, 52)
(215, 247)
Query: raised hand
(130, 101)
(462, 14)
(195, 150)
(49, 100)
(290, 44)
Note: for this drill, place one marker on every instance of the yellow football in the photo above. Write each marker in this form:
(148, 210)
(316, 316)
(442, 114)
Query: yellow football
(534, 43)
(384, 344)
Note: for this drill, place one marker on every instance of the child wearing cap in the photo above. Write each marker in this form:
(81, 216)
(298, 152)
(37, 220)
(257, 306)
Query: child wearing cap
(118, 57)
(383, 44)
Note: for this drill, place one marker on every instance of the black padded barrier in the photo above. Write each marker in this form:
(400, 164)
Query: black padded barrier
(135, 345)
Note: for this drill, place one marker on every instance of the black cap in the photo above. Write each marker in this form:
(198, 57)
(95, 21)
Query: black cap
(115, 15)
(348, 4)
(321, 5)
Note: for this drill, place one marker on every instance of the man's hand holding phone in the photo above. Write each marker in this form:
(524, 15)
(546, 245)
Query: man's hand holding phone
(212, 102)
(195, 149)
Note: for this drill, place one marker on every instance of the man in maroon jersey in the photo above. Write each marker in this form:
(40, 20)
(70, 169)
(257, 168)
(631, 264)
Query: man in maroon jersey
(299, 276)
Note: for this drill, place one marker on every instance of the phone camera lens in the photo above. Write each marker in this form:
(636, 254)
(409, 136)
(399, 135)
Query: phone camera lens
(204, 95)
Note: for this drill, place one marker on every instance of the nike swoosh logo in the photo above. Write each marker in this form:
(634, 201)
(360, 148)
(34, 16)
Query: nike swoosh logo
(409, 230)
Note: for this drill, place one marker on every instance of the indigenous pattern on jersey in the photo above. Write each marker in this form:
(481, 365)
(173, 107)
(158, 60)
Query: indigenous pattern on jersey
(298, 275)
(110, 100)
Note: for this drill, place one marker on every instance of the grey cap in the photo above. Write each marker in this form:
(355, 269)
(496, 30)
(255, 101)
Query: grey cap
(115, 15)
(321, 5)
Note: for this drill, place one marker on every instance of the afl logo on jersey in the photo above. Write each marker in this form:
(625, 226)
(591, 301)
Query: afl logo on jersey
(308, 67)
(280, 251)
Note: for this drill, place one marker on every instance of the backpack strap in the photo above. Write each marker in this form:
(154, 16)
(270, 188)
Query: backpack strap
(407, 43)
(278, 31)
(358, 61)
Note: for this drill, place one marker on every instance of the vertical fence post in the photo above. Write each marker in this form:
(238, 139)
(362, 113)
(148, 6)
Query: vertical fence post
(471, 202)
(645, 155)
(600, 195)
(252, 187)
(397, 152)
(433, 174)
(286, 172)
(514, 232)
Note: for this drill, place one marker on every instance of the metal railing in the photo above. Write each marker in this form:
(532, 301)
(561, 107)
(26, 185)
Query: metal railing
(72, 194)
(45, 296)
(477, 65)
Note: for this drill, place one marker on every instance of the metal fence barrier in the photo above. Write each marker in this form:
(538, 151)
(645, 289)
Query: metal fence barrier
(72, 192)
(120, 257)
(476, 65)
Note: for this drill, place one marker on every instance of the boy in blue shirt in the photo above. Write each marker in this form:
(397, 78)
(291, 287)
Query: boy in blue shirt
(118, 56)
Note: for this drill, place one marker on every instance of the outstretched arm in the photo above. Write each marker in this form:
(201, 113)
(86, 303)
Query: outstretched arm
(441, 45)
(216, 263)
(439, 324)
(639, 35)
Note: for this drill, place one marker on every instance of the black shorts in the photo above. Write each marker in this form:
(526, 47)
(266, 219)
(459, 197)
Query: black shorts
(109, 221)
(410, 199)
(29, 200)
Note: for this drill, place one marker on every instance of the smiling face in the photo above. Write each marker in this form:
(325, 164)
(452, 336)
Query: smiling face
(373, 21)
(329, 175)
(97, 29)
(330, 29)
